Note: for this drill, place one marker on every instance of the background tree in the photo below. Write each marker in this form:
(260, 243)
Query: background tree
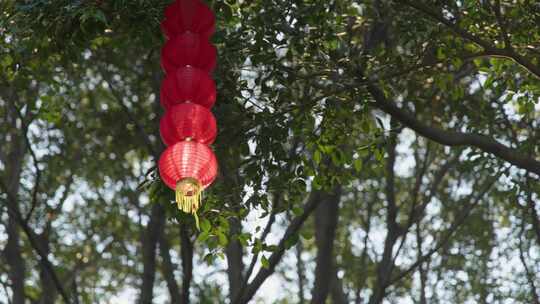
(378, 151)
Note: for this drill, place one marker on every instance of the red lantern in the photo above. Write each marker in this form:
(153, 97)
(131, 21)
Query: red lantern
(188, 16)
(188, 84)
(188, 167)
(188, 121)
(187, 93)
(188, 49)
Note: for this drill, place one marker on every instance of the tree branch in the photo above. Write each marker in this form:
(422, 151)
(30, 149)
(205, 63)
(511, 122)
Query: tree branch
(464, 214)
(416, 212)
(393, 229)
(421, 272)
(34, 243)
(502, 24)
(507, 52)
(271, 219)
(24, 132)
(266, 231)
(140, 129)
(532, 210)
(440, 18)
(300, 270)
(530, 276)
(452, 138)
(275, 258)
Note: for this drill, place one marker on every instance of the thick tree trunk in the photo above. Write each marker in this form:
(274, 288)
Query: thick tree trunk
(186, 251)
(337, 293)
(48, 294)
(326, 216)
(149, 244)
(167, 269)
(234, 260)
(12, 252)
(15, 262)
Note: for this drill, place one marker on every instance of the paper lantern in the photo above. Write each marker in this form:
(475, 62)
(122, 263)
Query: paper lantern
(188, 84)
(188, 16)
(188, 49)
(188, 167)
(188, 121)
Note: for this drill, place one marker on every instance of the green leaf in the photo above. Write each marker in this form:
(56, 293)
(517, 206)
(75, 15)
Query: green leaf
(358, 165)
(244, 239)
(264, 262)
(297, 210)
(203, 236)
(317, 157)
(222, 238)
(307, 234)
(291, 241)
(223, 223)
(205, 225)
(209, 258)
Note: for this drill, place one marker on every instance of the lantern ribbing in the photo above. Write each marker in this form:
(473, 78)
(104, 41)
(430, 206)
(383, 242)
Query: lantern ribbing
(188, 165)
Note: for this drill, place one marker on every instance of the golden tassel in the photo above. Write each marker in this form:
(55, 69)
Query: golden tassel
(189, 196)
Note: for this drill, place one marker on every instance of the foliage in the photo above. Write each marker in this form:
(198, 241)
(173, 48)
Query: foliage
(301, 126)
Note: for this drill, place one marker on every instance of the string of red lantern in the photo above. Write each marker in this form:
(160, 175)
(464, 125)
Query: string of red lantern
(188, 165)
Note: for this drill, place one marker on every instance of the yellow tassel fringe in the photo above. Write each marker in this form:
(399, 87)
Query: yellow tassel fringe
(189, 196)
